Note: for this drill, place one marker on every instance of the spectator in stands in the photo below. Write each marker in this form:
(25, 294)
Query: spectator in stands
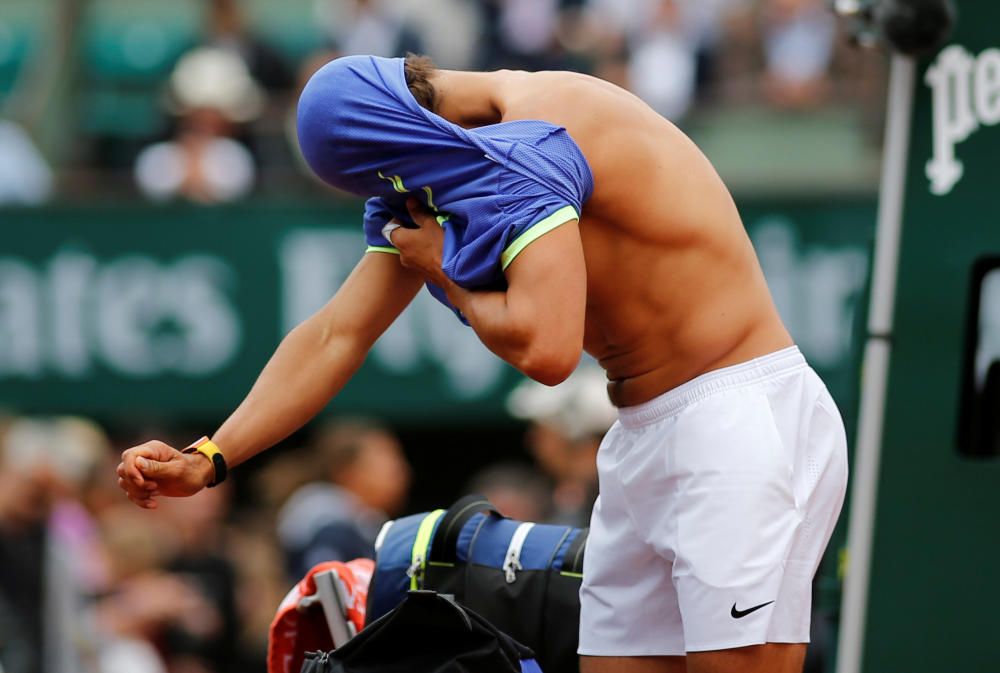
(212, 93)
(227, 29)
(367, 27)
(144, 601)
(517, 491)
(49, 547)
(201, 563)
(253, 549)
(567, 425)
(24, 509)
(663, 66)
(453, 47)
(524, 32)
(627, 17)
(704, 22)
(799, 39)
(361, 478)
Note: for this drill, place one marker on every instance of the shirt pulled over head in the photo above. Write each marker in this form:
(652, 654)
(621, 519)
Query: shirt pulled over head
(495, 188)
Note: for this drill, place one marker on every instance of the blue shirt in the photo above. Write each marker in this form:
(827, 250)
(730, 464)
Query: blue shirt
(495, 188)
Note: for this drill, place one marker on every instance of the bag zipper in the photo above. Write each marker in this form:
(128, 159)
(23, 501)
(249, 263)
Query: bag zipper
(421, 545)
(512, 562)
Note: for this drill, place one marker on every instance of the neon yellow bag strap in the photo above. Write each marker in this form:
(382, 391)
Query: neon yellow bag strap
(421, 545)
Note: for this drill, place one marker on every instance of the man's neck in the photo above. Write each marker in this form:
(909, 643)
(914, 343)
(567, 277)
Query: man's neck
(468, 99)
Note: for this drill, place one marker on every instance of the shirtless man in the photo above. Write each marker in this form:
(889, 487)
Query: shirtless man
(556, 213)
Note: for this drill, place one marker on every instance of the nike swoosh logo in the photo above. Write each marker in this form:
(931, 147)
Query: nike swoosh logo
(740, 614)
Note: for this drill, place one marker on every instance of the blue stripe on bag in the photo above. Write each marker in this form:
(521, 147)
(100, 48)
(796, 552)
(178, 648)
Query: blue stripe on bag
(560, 562)
(490, 546)
(537, 551)
(466, 536)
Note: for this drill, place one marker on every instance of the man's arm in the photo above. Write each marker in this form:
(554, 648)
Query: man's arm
(537, 324)
(311, 365)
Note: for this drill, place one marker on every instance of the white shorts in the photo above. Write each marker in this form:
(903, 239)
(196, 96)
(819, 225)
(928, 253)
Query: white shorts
(716, 502)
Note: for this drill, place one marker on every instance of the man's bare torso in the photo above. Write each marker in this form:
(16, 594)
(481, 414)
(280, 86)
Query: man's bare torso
(674, 288)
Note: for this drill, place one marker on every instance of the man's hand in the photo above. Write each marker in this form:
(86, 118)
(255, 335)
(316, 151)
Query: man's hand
(421, 249)
(537, 323)
(153, 469)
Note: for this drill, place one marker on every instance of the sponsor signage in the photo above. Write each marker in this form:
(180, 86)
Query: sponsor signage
(129, 310)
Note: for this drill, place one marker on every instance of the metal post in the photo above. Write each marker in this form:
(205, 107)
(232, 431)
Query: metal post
(875, 375)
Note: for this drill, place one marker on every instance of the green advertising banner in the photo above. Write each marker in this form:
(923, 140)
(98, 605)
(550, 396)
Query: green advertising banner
(929, 600)
(131, 310)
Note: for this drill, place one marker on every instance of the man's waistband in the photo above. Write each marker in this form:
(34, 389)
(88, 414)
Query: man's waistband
(747, 373)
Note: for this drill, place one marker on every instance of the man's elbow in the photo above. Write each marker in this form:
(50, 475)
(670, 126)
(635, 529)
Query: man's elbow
(552, 366)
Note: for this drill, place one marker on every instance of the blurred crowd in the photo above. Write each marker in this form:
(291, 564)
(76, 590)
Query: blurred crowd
(216, 121)
(91, 584)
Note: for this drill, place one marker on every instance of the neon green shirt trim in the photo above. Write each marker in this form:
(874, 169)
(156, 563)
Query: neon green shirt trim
(397, 182)
(421, 547)
(382, 248)
(536, 231)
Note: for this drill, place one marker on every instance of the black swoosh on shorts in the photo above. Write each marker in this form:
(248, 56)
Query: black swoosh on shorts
(740, 614)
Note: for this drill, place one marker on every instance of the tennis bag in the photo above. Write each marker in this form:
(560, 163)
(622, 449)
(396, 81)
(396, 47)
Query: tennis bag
(427, 633)
(522, 577)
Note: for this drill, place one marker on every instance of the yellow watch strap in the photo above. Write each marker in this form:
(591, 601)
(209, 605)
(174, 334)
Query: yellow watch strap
(210, 450)
(207, 447)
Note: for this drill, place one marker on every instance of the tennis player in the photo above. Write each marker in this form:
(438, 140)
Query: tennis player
(556, 213)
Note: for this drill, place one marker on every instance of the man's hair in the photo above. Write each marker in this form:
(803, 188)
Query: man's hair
(419, 69)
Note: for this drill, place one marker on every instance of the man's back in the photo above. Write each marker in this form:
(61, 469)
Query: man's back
(673, 286)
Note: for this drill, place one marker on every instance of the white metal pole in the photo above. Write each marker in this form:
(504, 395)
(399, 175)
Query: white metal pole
(875, 373)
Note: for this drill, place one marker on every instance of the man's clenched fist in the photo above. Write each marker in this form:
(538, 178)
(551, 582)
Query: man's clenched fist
(154, 469)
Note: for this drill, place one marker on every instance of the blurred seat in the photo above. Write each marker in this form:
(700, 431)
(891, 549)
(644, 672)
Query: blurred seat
(21, 26)
(291, 26)
(129, 48)
(138, 40)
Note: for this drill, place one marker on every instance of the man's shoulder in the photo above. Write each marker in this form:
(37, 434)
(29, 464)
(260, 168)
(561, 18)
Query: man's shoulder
(555, 95)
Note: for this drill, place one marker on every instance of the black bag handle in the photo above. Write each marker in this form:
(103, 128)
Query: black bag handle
(438, 626)
(573, 561)
(444, 548)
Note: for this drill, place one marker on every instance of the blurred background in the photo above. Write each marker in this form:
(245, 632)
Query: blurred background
(161, 234)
